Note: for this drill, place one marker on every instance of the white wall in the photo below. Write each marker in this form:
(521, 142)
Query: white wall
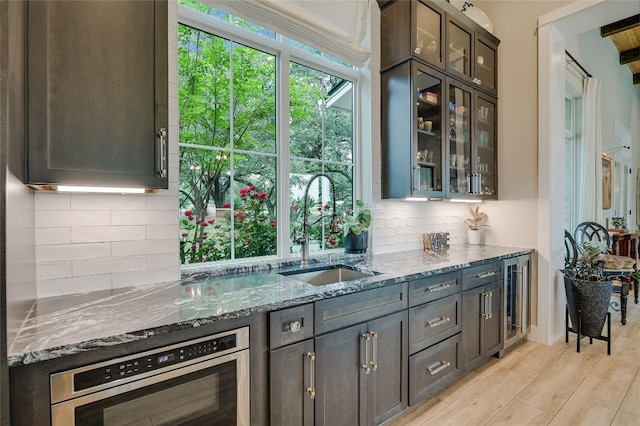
(87, 242)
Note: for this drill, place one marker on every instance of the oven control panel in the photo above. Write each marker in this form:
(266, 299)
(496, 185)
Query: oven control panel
(153, 361)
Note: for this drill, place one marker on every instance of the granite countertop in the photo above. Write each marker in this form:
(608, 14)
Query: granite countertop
(60, 326)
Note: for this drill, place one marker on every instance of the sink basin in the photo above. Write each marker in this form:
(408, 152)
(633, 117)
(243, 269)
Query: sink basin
(328, 275)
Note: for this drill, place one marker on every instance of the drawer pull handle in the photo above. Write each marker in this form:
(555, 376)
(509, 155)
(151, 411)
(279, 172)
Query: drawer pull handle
(438, 287)
(374, 356)
(311, 390)
(435, 370)
(367, 365)
(162, 152)
(486, 274)
(437, 322)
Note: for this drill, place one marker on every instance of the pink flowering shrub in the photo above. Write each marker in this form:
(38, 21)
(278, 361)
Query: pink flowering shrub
(209, 239)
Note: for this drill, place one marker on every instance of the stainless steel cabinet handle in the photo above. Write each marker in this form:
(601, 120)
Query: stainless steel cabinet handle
(525, 296)
(374, 356)
(486, 274)
(439, 321)
(366, 366)
(484, 305)
(311, 390)
(438, 287)
(442, 365)
(162, 152)
(490, 310)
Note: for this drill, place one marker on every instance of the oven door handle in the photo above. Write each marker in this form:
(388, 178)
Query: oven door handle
(62, 413)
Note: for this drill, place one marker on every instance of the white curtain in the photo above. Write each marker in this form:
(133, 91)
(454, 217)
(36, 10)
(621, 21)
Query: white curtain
(338, 28)
(591, 174)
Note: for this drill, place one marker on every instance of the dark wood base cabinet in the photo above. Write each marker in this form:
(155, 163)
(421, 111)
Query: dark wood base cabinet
(482, 319)
(435, 368)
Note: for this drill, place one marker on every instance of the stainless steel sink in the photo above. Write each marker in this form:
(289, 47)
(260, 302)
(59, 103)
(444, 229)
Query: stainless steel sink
(328, 275)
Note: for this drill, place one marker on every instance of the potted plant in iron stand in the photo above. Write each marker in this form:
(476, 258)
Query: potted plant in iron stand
(588, 292)
(474, 225)
(355, 228)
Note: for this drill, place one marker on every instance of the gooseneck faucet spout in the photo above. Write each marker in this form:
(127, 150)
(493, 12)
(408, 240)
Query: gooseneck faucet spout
(335, 227)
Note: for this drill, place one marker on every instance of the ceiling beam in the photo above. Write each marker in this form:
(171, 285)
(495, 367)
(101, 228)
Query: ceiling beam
(630, 55)
(622, 25)
(636, 78)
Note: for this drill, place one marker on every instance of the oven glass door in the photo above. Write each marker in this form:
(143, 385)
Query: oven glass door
(204, 397)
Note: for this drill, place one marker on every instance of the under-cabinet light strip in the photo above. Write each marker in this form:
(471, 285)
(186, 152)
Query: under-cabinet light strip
(100, 189)
(464, 200)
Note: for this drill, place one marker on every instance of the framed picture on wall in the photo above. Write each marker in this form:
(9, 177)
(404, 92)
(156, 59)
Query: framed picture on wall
(607, 178)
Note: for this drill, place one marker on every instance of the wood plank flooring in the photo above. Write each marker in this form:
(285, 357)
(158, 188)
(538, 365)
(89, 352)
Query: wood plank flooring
(538, 384)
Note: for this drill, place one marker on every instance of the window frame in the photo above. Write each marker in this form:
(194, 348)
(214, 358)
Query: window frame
(284, 53)
(571, 134)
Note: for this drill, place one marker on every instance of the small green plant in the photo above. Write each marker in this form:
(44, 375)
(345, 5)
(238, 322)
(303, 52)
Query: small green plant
(476, 218)
(589, 264)
(359, 220)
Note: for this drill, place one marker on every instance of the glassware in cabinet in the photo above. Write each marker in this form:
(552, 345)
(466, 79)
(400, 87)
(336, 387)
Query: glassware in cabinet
(459, 151)
(485, 66)
(428, 147)
(485, 176)
(428, 34)
(459, 45)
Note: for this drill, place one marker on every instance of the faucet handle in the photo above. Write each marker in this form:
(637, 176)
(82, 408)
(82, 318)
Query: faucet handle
(335, 225)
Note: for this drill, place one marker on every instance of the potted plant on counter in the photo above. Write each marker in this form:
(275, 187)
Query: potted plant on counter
(355, 228)
(588, 291)
(474, 225)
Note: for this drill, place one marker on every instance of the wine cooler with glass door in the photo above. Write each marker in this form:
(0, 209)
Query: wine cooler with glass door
(517, 297)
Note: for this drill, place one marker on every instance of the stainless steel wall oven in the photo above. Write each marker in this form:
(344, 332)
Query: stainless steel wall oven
(200, 382)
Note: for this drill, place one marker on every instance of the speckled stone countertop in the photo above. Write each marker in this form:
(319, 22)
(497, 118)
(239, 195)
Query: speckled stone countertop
(60, 326)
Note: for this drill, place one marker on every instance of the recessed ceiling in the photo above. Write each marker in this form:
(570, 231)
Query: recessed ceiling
(625, 35)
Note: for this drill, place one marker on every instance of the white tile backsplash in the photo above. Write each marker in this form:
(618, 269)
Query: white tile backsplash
(159, 261)
(95, 234)
(56, 218)
(144, 217)
(60, 287)
(133, 248)
(53, 202)
(48, 236)
(161, 232)
(162, 203)
(112, 264)
(53, 270)
(108, 202)
(59, 252)
(149, 276)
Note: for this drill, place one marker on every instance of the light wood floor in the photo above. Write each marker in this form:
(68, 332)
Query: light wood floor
(538, 384)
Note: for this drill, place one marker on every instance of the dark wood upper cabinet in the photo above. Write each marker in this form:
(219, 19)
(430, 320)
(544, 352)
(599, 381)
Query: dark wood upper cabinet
(97, 93)
(438, 34)
(439, 106)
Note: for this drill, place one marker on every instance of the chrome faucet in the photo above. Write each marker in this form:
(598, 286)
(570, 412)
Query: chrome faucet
(335, 227)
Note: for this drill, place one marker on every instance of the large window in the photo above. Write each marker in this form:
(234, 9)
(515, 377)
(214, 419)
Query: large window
(571, 164)
(245, 157)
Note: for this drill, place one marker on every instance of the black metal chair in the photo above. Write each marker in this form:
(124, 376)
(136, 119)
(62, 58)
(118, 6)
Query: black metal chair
(570, 250)
(592, 232)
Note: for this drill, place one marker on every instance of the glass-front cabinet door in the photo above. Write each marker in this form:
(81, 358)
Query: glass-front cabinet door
(459, 113)
(485, 65)
(485, 176)
(459, 42)
(428, 143)
(429, 34)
